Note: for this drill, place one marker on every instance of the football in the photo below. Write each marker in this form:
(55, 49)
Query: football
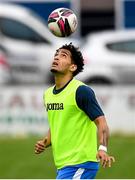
(62, 22)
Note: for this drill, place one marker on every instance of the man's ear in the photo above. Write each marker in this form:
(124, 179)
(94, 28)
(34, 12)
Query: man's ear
(73, 67)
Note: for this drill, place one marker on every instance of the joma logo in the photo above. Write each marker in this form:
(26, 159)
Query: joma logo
(54, 106)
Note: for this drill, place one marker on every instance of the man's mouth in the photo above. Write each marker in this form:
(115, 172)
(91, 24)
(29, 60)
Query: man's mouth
(54, 64)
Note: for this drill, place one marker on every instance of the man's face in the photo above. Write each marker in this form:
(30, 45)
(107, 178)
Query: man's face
(62, 62)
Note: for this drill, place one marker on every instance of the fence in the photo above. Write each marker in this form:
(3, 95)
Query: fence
(22, 110)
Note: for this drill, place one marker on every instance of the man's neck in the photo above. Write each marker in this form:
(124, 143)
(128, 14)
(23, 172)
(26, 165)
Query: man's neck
(61, 81)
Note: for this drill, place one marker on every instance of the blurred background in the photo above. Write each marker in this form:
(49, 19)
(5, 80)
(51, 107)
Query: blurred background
(106, 37)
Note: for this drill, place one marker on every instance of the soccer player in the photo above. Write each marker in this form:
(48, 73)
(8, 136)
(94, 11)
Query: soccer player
(75, 118)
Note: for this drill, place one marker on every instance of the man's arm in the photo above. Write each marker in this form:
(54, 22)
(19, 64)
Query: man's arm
(44, 143)
(86, 100)
(103, 130)
(103, 136)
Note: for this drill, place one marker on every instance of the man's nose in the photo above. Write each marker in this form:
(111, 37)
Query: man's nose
(56, 58)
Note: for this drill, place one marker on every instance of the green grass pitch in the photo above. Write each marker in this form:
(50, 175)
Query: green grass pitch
(18, 161)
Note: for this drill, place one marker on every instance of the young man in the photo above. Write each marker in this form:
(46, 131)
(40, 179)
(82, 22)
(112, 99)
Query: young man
(75, 119)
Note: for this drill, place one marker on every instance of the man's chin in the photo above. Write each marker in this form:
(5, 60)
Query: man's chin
(53, 70)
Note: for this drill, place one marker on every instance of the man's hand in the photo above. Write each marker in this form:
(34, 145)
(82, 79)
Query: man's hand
(40, 146)
(105, 159)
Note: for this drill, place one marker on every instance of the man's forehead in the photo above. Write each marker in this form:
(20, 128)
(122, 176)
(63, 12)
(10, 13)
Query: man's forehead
(66, 51)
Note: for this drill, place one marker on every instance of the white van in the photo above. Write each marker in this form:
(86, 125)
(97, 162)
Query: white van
(4, 68)
(110, 58)
(29, 44)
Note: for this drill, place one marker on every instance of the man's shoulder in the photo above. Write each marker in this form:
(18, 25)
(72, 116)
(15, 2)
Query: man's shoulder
(48, 90)
(83, 88)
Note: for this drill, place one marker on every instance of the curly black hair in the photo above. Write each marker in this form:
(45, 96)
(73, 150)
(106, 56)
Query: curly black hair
(76, 57)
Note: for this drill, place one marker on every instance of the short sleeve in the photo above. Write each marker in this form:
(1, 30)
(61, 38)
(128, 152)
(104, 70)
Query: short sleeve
(86, 101)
